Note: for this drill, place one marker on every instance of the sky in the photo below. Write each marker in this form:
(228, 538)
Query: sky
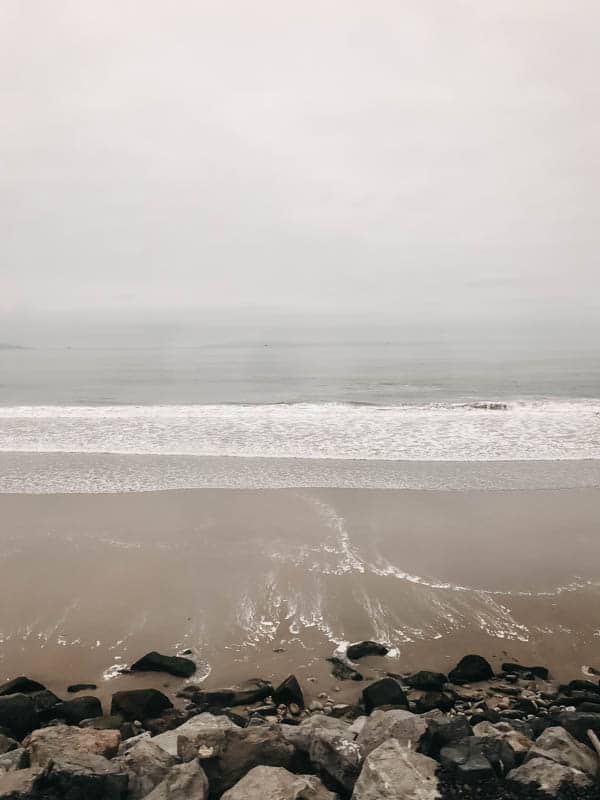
(420, 158)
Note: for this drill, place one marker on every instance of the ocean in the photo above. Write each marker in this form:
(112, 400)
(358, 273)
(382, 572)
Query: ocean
(130, 408)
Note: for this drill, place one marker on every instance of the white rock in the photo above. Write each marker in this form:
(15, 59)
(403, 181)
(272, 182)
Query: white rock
(405, 727)
(147, 765)
(184, 782)
(395, 772)
(556, 744)
(548, 775)
(276, 783)
(196, 725)
(502, 730)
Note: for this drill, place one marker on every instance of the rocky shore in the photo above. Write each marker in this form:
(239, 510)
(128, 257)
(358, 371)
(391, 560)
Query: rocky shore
(507, 731)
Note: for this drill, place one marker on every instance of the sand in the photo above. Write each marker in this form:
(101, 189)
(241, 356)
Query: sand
(263, 583)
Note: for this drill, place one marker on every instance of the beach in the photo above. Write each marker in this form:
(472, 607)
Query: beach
(261, 583)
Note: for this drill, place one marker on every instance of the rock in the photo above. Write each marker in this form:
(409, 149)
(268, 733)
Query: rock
(46, 744)
(19, 785)
(109, 723)
(156, 662)
(559, 746)
(362, 649)
(20, 685)
(395, 772)
(405, 727)
(45, 701)
(519, 669)
(140, 704)
(385, 692)
(548, 775)
(14, 759)
(476, 759)
(252, 691)
(243, 749)
(300, 736)
(470, 669)
(147, 765)
(444, 731)
(78, 775)
(427, 681)
(81, 687)
(578, 724)
(288, 693)
(7, 744)
(444, 701)
(583, 686)
(276, 783)
(169, 719)
(184, 782)
(336, 754)
(78, 709)
(194, 729)
(344, 671)
(519, 742)
(18, 714)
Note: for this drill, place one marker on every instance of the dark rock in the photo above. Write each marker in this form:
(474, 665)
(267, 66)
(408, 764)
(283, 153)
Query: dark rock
(269, 710)
(20, 685)
(442, 732)
(427, 681)
(582, 686)
(44, 702)
(479, 758)
(592, 708)
(140, 704)
(526, 672)
(385, 692)
(156, 662)
(82, 687)
(168, 720)
(289, 692)
(344, 671)
(18, 714)
(539, 724)
(252, 691)
(78, 709)
(82, 776)
(526, 706)
(430, 700)
(362, 649)
(470, 669)
(578, 724)
(484, 716)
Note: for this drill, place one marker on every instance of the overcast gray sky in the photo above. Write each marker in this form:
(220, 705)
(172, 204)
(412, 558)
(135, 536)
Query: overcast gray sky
(402, 155)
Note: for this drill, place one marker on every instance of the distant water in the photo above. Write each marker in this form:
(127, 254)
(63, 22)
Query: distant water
(377, 401)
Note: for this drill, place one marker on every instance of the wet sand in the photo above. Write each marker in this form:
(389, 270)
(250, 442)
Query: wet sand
(265, 582)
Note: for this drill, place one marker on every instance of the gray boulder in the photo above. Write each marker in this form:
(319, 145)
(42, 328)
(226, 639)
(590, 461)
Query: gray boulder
(519, 742)
(184, 782)
(19, 785)
(7, 744)
(195, 730)
(14, 759)
(300, 736)
(557, 745)
(337, 755)
(548, 775)
(47, 744)
(395, 772)
(275, 783)
(398, 724)
(147, 765)
(83, 776)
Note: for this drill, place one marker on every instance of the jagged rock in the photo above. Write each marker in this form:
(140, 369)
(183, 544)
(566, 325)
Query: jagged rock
(276, 783)
(443, 731)
(385, 692)
(242, 750)
(337, 755)
(444, 701)
(147, 765)
(78, 709)
(300, 736)
(46, 744)
(344, 671)
(140, 704)
(14, 759)
(251, 691)
(427, 681)
(519, 669)
(184, 782)
(21, 685)
(558, 745)
(519, 742)
(395, 772)
(478, 759)
(18, 714)
(78, 775)
(405, 727)
(194, 730)
(367, 648)
(156, 662)
(81, 687)
(578, 724)
(7, 744)
(470, 669)
(19, 785)
(583, 686)
(548, 775)
(289, 692)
